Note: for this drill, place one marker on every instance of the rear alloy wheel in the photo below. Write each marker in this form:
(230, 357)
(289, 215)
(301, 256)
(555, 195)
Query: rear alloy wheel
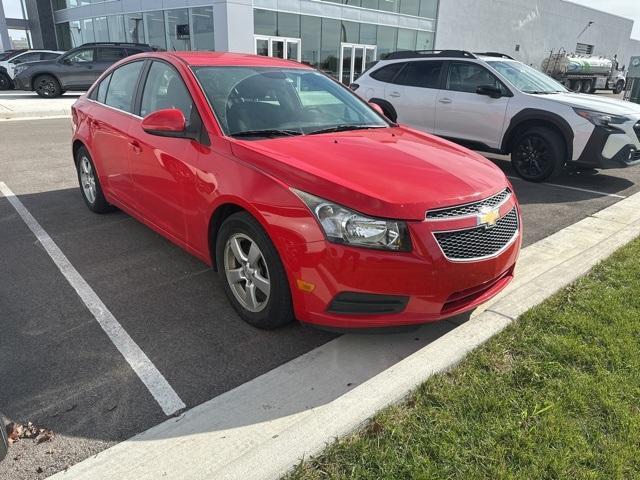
(252, 273)
(586, 86)
(5, 81)
(47, 86)
(537, 154)
(619, 87)
(90, 184)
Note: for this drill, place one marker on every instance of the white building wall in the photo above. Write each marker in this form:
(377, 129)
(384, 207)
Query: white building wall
(538, 26)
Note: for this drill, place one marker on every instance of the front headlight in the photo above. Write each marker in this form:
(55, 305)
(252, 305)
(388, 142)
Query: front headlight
(601, 119)
(342, 225)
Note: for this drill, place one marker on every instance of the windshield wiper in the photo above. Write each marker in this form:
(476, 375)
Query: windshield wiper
(344, 128)
(268, 132)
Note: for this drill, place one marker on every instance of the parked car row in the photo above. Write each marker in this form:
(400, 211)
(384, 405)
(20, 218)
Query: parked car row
(493, 103)
(50, 74)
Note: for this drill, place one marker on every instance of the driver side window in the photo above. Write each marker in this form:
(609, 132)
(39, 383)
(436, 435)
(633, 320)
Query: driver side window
(164, 89)
(467, 77)
(81, 56)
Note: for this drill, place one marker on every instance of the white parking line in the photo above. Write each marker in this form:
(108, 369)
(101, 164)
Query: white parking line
(586, 190)
(158, 386)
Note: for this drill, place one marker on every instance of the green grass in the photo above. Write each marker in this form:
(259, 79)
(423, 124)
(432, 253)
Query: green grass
(554, 396)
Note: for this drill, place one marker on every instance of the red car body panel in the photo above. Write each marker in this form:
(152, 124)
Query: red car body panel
(176, 186)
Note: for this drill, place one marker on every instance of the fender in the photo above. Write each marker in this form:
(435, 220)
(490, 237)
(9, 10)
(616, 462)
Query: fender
(534, 114)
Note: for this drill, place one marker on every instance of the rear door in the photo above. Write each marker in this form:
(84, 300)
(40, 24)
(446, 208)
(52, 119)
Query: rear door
(107, 56)
(110, 124)
(463, 114)
(413, 93)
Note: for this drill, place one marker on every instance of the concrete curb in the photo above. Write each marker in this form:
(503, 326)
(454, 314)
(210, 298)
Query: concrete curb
(264, 427)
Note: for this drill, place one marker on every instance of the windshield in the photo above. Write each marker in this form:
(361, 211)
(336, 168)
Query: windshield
(274, 101)
(525, 78)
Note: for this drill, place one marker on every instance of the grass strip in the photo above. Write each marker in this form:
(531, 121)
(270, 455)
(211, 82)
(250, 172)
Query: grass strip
(556, 395)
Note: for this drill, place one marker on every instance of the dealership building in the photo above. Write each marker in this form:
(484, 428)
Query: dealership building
(339, 37)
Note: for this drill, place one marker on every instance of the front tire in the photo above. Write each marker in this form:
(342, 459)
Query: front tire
(5, 82)
(90, 184)
(47, 86)
(537, 154)
(252, 273)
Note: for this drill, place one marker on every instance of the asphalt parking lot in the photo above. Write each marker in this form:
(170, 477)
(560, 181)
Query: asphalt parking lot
(58, 369)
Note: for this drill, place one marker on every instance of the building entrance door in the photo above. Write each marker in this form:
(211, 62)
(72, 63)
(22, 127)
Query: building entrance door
(353, 60)
(280, 47)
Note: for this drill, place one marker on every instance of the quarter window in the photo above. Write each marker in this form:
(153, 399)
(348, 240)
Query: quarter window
(111, 55)
(101, 94)
(81, 56)
(122, 86)
(425, 74)
(165, 89)
(467, 77)
(387, 73)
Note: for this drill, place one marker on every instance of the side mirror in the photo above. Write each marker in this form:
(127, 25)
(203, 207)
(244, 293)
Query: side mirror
(166, 123)
(377, 108)
(66, 61)
(489, 91)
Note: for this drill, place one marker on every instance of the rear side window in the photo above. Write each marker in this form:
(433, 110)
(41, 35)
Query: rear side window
(165, 89)
(111, 54)
(133, 51)
(387, 73)
(425, 74)
(101, 91)
(122, 86)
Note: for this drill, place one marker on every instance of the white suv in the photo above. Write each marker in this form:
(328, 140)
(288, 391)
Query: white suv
(8, 64)
(493, 103)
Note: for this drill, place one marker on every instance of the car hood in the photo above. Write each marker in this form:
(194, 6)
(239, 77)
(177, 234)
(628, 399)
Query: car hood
(595, 102)
(389, 172)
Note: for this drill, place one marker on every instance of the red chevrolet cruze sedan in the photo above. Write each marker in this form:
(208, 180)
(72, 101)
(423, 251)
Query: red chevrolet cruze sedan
(306, 200)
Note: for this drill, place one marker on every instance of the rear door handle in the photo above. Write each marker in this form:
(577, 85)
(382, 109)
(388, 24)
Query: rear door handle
(445, 100)
(135, 146)
(394, 94)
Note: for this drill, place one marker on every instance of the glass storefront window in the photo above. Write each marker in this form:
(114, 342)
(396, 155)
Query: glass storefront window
(178, 29)
(86, 30)
(410, 7)
(310, 33)
(388, 5)
(330, 43)
(288, 25)
(202, 35)
(265, 22)
(350, 32)
(428, 8)
(76, 33)
(63, 34)
(154, 27)
(134, 28)
(387, 39)
(406, 39)
(424, 41)
(100, 29)
(19, 38)
(368, 34)
(116, 28)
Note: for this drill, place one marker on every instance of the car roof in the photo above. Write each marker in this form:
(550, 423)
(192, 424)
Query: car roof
(226, 59)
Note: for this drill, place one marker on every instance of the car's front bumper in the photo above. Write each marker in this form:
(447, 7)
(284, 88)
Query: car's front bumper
(342, 287)
(614, 147)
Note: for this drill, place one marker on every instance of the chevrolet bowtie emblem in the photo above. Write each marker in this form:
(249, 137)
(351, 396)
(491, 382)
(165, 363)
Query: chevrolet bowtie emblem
(488, 216)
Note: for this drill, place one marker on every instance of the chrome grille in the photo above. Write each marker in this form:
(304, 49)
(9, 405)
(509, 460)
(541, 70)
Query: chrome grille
(479, 242)
(470, 208)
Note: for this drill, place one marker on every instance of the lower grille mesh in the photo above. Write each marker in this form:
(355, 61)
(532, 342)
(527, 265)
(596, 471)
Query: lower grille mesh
(479, 242)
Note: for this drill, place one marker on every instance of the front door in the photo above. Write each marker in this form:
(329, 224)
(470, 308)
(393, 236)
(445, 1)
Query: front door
(280, 47)
(461, 113)
(79, 68)
(354, 59)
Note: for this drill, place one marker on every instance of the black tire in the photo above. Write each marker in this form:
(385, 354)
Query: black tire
(277, 310)
(586, 86)
(538, 153)
(575, 86)
(387, 109)
(5, 82)
(99, 203)
(619, 87)
(47, 86)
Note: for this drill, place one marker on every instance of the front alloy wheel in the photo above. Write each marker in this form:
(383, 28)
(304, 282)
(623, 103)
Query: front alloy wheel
(537, 154)
(47, 86)
(247, 272)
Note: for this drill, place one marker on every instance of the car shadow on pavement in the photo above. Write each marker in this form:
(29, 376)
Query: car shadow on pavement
(60, 370)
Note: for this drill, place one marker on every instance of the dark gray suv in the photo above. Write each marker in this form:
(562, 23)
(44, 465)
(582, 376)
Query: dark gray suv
(76, 70)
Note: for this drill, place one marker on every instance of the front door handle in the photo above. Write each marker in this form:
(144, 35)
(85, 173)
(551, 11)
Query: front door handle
(135, 146)
(394, 94)
(445, 100)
